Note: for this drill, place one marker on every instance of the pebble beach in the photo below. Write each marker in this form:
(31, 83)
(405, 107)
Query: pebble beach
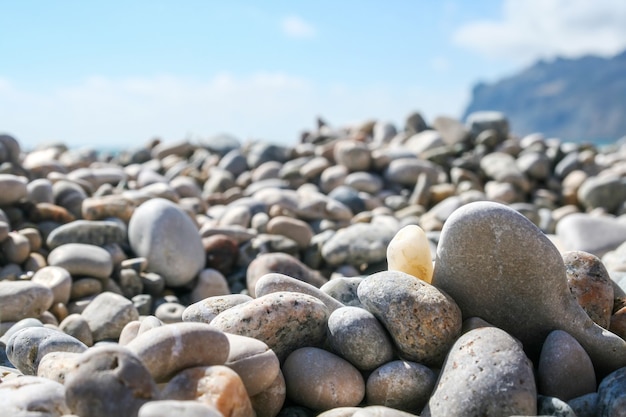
(433, 268)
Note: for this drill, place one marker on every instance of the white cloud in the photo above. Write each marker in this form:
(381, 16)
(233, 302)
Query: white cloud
(102, 111)
(440, 64)
(296, 27)
(530, 29)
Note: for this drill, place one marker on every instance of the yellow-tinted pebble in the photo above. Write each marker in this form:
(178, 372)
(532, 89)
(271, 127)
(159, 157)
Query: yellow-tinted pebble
(409, 252)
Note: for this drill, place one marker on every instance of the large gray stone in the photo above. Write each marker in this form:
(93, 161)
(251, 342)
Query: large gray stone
(497, 265)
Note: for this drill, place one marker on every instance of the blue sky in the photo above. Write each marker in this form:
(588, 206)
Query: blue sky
(117, 73)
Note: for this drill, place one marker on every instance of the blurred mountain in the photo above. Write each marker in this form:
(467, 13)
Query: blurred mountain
(573, 99)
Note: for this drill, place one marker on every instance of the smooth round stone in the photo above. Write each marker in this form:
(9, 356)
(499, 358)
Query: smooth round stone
(178, 408)
(590, 283)
(357, 336)
(297, 230)
(23, 299)
(552, 406)
(402, 385)
(40, 191)
(69, 195)
(91, 232)
(332, 177)
(57, 279)
(56, 365)
(274, 282)
(255, 363)
(409, 252)
(32, 396)
(218, 386)
(606, 191)
(14, 327)
(501, 167)
(85, 287)
(11, 148)
(332, 382)
(77, 326)
(221, 252)
(270, 402)
(344, 290)
(594, 234)
(12, 189)
(281, 263)
(27, 347)
(234, 162)
(612, 394)
(107, 314)
(357, 244)
(478, 364)
(210, 283)
(285, 321)
(353, 155)
(108, 206)
(109, 381)
(565, 370)
(349, 197)
(405, 171)
(170, 312)
(314, 167)
(206, 310)
(167, 237)
(15, 248)
(422, 320)
(585, 405)
(340, 412)
(80, 259)
(364, 181)
(168, 349)
(239, 215)
(497, 265)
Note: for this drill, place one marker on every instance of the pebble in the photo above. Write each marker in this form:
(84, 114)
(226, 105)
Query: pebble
(12, 189)
(409, 252)
(590, 233)
(210, 283)
(612, 394)
(344, 290)
(221, 251)
(217, 386)
(23, 299)
(26, 395)
(28, 346)
(552, 406)
(56, 365)
(295, 229)
(205, 310)
(179, 408)
(107, 314)
(255, 363)
(109, 380)
(357, 336)
(167, 237)
(525, 292)
(585, 405)
(401, 385)
(422, 321)
(76, 325)
(57, 279)
(91, 232)
(564, 370)
(478, 364)
(165, 350)
(285, 321)
(590, 283)
(332, 382)
(81, 259)
(275, 282)
(357, 244)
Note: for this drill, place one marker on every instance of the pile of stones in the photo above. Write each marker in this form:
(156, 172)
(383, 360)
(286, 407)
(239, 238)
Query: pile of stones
(371, 270)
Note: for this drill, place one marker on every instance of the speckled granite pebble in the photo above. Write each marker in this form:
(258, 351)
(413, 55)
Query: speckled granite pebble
(275, 282)
(204, 311)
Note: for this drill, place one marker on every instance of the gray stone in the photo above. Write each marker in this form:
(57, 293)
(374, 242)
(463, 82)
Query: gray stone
(27, 347)
(107, 314)
(482, 120)
(344, 290)
(57, 279)
(422, 320)
(275, 282)
(32, 396)
(17, 326)
(12, 189)
(357, 336)
(594, 234)
(480, 363)
(80, 259)
(497, 265)
(585, 405)
(405, 171)
(77, 326)
(605, 191)
(23, 299)
(612, 394)
(357, 244)
(91, 232)
(167, 237)
(109, 381)
(206, 310)
(552, 406)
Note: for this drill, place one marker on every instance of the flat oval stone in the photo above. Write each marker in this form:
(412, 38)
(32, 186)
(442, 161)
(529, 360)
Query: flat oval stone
(97, 233)
(358, 244)
(57, 279)
(27, 347)
(402, 385)
(295, 229)
(12, 189)
(594, 234)
(409, 252)
(497, 265)
(22, 396)
(590, 283)
(275, 282)
(478, 364)
(167, 349)
(80, 259)
(422, 320)
(107, 314)
(210, 283)
(357, 336)
(285, 321)
(565, 370)
(332, 382)
(167, 237)
(178, 408)
(218, 386)
(23, 299)
(107, 381)
(255, 363)
(206, 310)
